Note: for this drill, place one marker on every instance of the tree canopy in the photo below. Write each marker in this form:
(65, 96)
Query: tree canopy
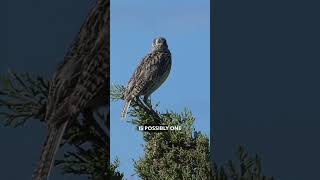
(181, 154)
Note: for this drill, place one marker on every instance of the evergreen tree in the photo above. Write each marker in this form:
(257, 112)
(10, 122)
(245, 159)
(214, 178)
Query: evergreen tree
(182, 154)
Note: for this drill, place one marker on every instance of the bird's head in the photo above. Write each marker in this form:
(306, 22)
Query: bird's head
(159, 43)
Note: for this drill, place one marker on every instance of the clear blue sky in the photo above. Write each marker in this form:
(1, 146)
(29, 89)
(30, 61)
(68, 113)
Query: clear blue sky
(186, 26)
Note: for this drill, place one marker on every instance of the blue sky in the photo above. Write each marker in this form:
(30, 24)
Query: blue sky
(186, 26)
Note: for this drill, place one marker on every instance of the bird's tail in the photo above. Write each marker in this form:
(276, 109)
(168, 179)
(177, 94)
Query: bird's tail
(49, 151)
(125, 109)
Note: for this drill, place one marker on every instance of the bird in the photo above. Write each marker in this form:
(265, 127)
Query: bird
(150, 74)
(80, 82)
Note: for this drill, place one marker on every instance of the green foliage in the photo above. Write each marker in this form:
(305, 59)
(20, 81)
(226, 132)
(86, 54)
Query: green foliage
(23, 98)
(175, 154)
(182, 154)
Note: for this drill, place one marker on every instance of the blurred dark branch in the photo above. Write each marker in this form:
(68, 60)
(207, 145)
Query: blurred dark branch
(22, 98)
(243, 168)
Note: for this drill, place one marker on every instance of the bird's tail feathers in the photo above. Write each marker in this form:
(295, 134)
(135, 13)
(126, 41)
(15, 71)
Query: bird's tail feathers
(49, 151)
(125, 109)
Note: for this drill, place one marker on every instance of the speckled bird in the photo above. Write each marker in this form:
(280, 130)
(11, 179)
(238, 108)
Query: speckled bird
(150, 74)
(81, 82)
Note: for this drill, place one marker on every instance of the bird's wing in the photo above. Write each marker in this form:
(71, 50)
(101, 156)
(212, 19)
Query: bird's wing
(140, 68)
(79, 79)
(94, 75)
(150, 69)
(84, 71)
(61, 87)
(136, 78)
(93, 79)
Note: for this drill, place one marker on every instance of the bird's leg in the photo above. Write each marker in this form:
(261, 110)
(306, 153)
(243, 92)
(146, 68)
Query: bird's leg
(147, 109)
(143, 103)
(145, 100)
(140, 102)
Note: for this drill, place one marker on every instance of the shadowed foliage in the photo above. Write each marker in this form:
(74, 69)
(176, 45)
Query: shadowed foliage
(23, 99)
